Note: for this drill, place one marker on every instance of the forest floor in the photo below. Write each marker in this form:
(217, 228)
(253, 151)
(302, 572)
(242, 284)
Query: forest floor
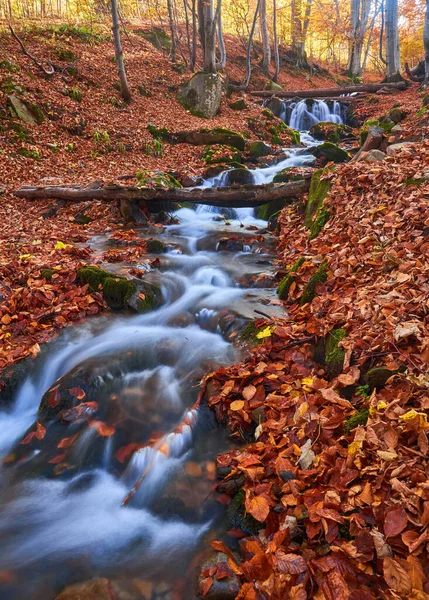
(344, 503)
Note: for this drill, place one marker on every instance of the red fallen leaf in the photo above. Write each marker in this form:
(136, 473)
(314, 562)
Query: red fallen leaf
(223, 570)
(247, 592)
(77, 392)
(220, 547)
(102, 428)
(205, 586)
(39, 434)
(68, 441)
(395, 522)
(123, 453)
(396, 577)
(290, 563)
(83, 409)
(57, 459)
(223, 499)
(236, 533)
(54, 397)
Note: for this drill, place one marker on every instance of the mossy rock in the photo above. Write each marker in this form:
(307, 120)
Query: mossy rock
(249, 332)
(322, 217)
(334, 358)
(385, 123)
(331, 132)
(201, 95)
(239, 177)
(26, 111)
(221, 154)
(121, 293)
(259, 149)
(319, 190)
(320, 276)
(377, 377)
(83, 219)
(47, 274)
(266, 211)
(155, 246)
(331, 153)
(272, 86)
(157, 37)
(239, 518)
(238, 104)
(223, 135)
(396, 115)
(285, 284)
(287, 175)
(359, 418)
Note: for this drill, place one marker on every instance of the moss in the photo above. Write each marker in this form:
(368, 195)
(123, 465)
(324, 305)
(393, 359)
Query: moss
(335, 355)
(385, 123)
(65, 55)
(332, 132)
(151, 301)
(238, 104)
(249, 333)
(425, 101)
(359, 418)
(158, 132)
(75, 94)
(157, 37)
(9, 66)
(259, 149)
(285, 284)
(377, 377)
(155, 247)
(273, 87)
(117, 291)
(239, 518)
(319, 189)
(319, 222)
(287, 175)
(266, 211)
(320, 276)
(331, 153)
(144, 91)
(221, 154)
(47, 274)
(166, 180)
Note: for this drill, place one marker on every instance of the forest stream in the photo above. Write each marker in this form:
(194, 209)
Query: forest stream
(142, 373)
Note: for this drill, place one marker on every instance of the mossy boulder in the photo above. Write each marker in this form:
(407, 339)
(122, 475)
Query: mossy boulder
(239, 518)
(121, 293)
(377, 377)
(238, 104)
(266, 211)
(272, 86)
(221, 154)
(273, 129)
(322, 217)
(396, 115)
(334, 358)
(239, 176)
(25, 111)
(155, 246)
(286, 283)
(385, 123)
(259, 149)
(331, 153)
(201, 95)
(287, 175)
(310, 292)
(319, 189)
(331, 132)
(275, 105)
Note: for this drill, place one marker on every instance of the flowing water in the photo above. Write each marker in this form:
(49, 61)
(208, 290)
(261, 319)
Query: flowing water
(61, 518)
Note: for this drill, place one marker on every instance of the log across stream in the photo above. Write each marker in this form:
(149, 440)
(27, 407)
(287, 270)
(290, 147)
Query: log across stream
(62, 518)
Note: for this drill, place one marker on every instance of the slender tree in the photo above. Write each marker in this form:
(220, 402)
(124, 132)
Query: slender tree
(125, 90)
(276, 43)
(249, 47)
(266, 50)
(222, 62)
(207, 32)
(172, 30)
(393, 66)
(426, 44)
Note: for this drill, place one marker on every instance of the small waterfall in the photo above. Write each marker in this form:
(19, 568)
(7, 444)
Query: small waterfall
(306, 113)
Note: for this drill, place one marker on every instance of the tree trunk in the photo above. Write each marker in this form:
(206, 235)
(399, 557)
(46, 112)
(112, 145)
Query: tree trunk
(392, 40)
(172, 30)
(369, 88)
(207, 30)
(426, 44)
(276, 43)
(194, 35)
(249, 47)
(266, 50)
(238, 196)
(222, 63)
(125, 90)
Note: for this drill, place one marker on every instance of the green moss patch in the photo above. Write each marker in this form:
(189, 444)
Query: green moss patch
(331, 132)
(320, 276)
(359, 418)
(285, 284)
(319, 189)
(239, 518)
(334, 358)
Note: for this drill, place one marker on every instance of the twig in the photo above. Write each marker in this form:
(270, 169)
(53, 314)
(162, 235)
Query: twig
(47, 72)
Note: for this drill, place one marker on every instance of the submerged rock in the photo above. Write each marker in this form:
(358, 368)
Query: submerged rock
(226, 588)
(331, 153)
(331, 132)
(98, 588)
(202, 95)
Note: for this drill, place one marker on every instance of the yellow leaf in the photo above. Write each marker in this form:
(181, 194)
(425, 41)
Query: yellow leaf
(307, 383)
(264, 333)
(237, 405)
(372, 411)
(381, 405)
(354, 448)
(23, 256)
(62, 246)
(411, 414)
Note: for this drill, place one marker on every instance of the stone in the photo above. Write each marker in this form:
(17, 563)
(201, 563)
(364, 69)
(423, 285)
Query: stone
(130, 212)
(396, 147)
(275, 105)
(201, 95)
(98, 588)
(331, 153)
(27, 112)
(191, 181)
(226, 588)
(272, 86)
(238, 104)
(259, 149)
(397, 130)
(332, 132)
(373, 156)
(396, 115)
(287, 175)
(239, 176)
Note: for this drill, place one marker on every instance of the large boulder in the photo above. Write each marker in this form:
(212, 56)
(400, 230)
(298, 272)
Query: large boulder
(25, 111)
(239, 177)
(331, 153)
(201, 95)
(275, 105)
(259, 149)
(331, 132)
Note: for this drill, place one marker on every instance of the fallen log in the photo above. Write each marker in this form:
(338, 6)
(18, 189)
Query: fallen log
(236, 196)
(369, 88)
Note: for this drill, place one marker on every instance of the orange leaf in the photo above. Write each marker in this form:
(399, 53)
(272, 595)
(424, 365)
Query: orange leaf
(77, 392)
(6, 319)
(54, 397)
(102, 428)
(57, 459)
(205, 585)
(123, 453)
(68, 441)
(258, 507)
(39, 434)
(236, 405)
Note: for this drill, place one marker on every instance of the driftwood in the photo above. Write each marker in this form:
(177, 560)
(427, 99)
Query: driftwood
(369, 88)
(48, 72)
(236, 196)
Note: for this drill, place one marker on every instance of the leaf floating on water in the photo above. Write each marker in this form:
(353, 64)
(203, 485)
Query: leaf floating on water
(102, 428)
(39, 434)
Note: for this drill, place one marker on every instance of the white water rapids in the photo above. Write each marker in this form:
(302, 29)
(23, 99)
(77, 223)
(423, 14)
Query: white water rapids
(58, 530)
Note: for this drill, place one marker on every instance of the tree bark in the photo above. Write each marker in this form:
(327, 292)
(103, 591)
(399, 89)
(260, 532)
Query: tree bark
(276, 43)
(266, 50)
(369, 88)
(426, 44)
(125, 90)
(392, 40)
(207, 31)
(172, 30)
(222, 63)
(234, 197)
(249, 47)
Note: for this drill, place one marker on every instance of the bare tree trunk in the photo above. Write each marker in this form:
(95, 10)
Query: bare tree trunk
(392, 40)
(207, 30)
(296, 18)
(172, 30)
(194, 35)
(266, 50)
(276, 43)
(426, 44)
(383, 60)
(222, 63)
(188, 33)
(249, 47)
(125, 90)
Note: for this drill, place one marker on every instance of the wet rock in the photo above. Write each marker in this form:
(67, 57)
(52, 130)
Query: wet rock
(275, 105)
(239, 176)
(258, 149)
(331, 132)
(266, 211)
(12, 378)
(191, 181)
(202, 95)
(226, 588)
(287, 175)
(227, 244)
(98, 588)
(331, 153)
(155, 246)
(130, 212)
